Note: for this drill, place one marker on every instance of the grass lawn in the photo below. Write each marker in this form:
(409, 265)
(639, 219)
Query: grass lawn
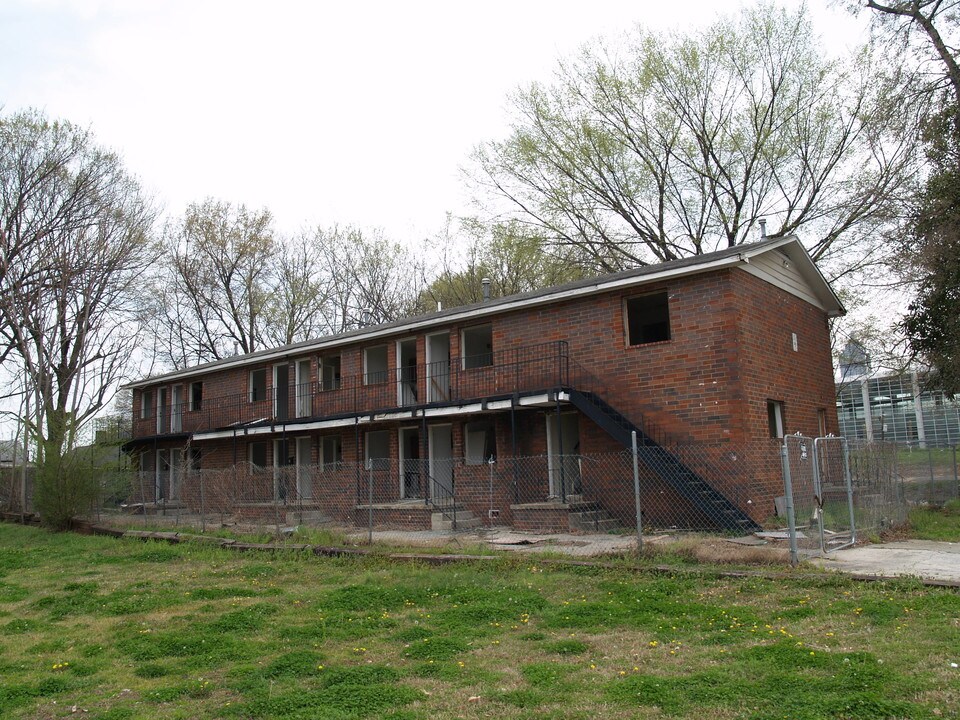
(936, 523)
(104, 628)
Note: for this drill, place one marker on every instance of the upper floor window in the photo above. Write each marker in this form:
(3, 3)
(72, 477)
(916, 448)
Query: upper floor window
(477, 346)
(258, 385)
(146, 403)
(196, 395)
(330, 372)
(375, 365)
(648, 319)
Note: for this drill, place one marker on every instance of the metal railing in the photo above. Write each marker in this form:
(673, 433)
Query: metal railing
(503, 373)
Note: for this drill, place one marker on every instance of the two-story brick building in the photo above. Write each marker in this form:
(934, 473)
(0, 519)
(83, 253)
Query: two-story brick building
(435, 411)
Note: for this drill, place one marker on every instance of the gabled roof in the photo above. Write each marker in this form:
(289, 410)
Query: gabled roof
(807, 282)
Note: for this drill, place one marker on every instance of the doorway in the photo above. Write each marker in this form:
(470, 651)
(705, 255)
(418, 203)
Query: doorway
(281, 391)
(406, 372)
(410, 464)
(563, 454)
(304, 473)
(303, 388)
(438, 367)
(441, 463)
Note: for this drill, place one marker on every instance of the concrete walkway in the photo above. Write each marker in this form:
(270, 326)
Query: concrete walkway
(936, 561)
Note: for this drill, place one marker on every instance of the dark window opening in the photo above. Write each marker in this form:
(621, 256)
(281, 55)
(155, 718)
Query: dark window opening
(775, 418)
(332, 452)
(477, 347)
(258, 455)
(146, 404)
(258, 385)
(330, 373)
(648, 319)
(480, 440)
(194, 458)
(196, 396)
(375, 365)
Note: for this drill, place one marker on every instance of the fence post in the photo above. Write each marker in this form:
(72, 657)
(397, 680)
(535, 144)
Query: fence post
(370, 502)
(788, 490)
(143, 498)
(203, 514)
(636, 489)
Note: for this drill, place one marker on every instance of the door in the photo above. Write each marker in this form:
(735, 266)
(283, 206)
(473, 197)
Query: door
(281, 391)
(441, 463)
(161, 471)
(304, 394)
(410, 466)
(304, 474)
(162, 410)
(284, 460)
(176, 408)
(563, 454)
(438, 367)
(406, 372)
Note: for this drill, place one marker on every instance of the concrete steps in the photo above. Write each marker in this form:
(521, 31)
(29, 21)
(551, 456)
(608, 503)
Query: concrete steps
(444, 520)
(306, 517)
(592, 521)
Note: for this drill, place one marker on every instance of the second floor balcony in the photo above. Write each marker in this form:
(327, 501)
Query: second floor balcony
(454, 381)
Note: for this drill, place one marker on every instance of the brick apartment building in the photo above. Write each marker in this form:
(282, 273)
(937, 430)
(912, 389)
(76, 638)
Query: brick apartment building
(434, 413)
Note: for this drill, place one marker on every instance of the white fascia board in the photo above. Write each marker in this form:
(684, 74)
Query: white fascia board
(472, 408)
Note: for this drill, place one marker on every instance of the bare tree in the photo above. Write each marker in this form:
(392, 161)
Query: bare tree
(75, 245)
(664, 147)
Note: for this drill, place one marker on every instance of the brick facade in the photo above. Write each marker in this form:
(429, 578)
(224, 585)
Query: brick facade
(736, 343)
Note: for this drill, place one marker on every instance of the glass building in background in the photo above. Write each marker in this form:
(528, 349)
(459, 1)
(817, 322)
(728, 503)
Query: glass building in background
(892, 407)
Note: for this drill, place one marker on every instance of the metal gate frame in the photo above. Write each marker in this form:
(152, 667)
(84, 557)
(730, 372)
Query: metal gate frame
(817, 478)
(818, 471)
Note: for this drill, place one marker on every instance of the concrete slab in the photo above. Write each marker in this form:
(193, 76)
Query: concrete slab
(939, 561)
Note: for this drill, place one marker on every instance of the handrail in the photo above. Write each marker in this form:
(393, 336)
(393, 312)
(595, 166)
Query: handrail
(455, 379)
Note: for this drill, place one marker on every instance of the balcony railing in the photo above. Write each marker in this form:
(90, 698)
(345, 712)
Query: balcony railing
(452, 381)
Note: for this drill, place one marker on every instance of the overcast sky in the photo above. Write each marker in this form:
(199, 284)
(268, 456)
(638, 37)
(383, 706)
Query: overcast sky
(349, 112)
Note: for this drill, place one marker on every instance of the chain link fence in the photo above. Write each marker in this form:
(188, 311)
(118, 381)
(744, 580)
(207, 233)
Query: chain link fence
(838, 491)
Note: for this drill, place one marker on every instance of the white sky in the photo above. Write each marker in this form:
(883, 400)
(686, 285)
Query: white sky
(349, 112)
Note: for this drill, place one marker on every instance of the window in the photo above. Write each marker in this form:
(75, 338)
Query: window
(477, 347)
(648, 319)
(332, 452)
(146, 404)
(330, 373)
(258, 385)
(194, 458)
(775, 418)
(196, 395)
(822, 421)
(375, 365)
(258, 455)
(378, 450)
(480, 442)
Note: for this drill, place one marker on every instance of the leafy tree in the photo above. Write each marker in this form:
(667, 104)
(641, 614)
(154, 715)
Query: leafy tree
(667, 146)
(507, 254)
(74, 245)
(932, 322)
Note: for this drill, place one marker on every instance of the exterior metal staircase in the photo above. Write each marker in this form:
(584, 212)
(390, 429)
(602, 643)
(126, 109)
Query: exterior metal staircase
(714, 505)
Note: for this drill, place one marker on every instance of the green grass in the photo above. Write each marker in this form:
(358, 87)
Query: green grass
(927, 523)
(126, 630)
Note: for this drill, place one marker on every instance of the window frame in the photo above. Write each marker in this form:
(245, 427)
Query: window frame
(475, 360)
(252, 385)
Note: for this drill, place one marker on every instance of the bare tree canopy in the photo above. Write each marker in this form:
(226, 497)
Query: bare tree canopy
(928, 30)
(75, 244)
(662, 147)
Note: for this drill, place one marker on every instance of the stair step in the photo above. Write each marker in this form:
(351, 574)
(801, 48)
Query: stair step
(465, 520)
(307, 517)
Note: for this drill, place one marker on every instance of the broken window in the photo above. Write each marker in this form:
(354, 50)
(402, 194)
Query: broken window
(258, 385)
(775, 418)
(196, 395)
(480, 442)
(375, 365)
(477, 347)
(648, 319)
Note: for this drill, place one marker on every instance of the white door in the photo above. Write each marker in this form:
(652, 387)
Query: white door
(438, 367)
(176, 409)
(304, 394)
(304, 474)
(441, 462)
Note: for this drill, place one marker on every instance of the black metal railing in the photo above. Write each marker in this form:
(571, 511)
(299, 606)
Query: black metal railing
(455, 380)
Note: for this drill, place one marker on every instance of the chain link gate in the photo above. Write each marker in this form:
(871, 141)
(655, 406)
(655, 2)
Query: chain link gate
(819, 494)
(834, 494)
